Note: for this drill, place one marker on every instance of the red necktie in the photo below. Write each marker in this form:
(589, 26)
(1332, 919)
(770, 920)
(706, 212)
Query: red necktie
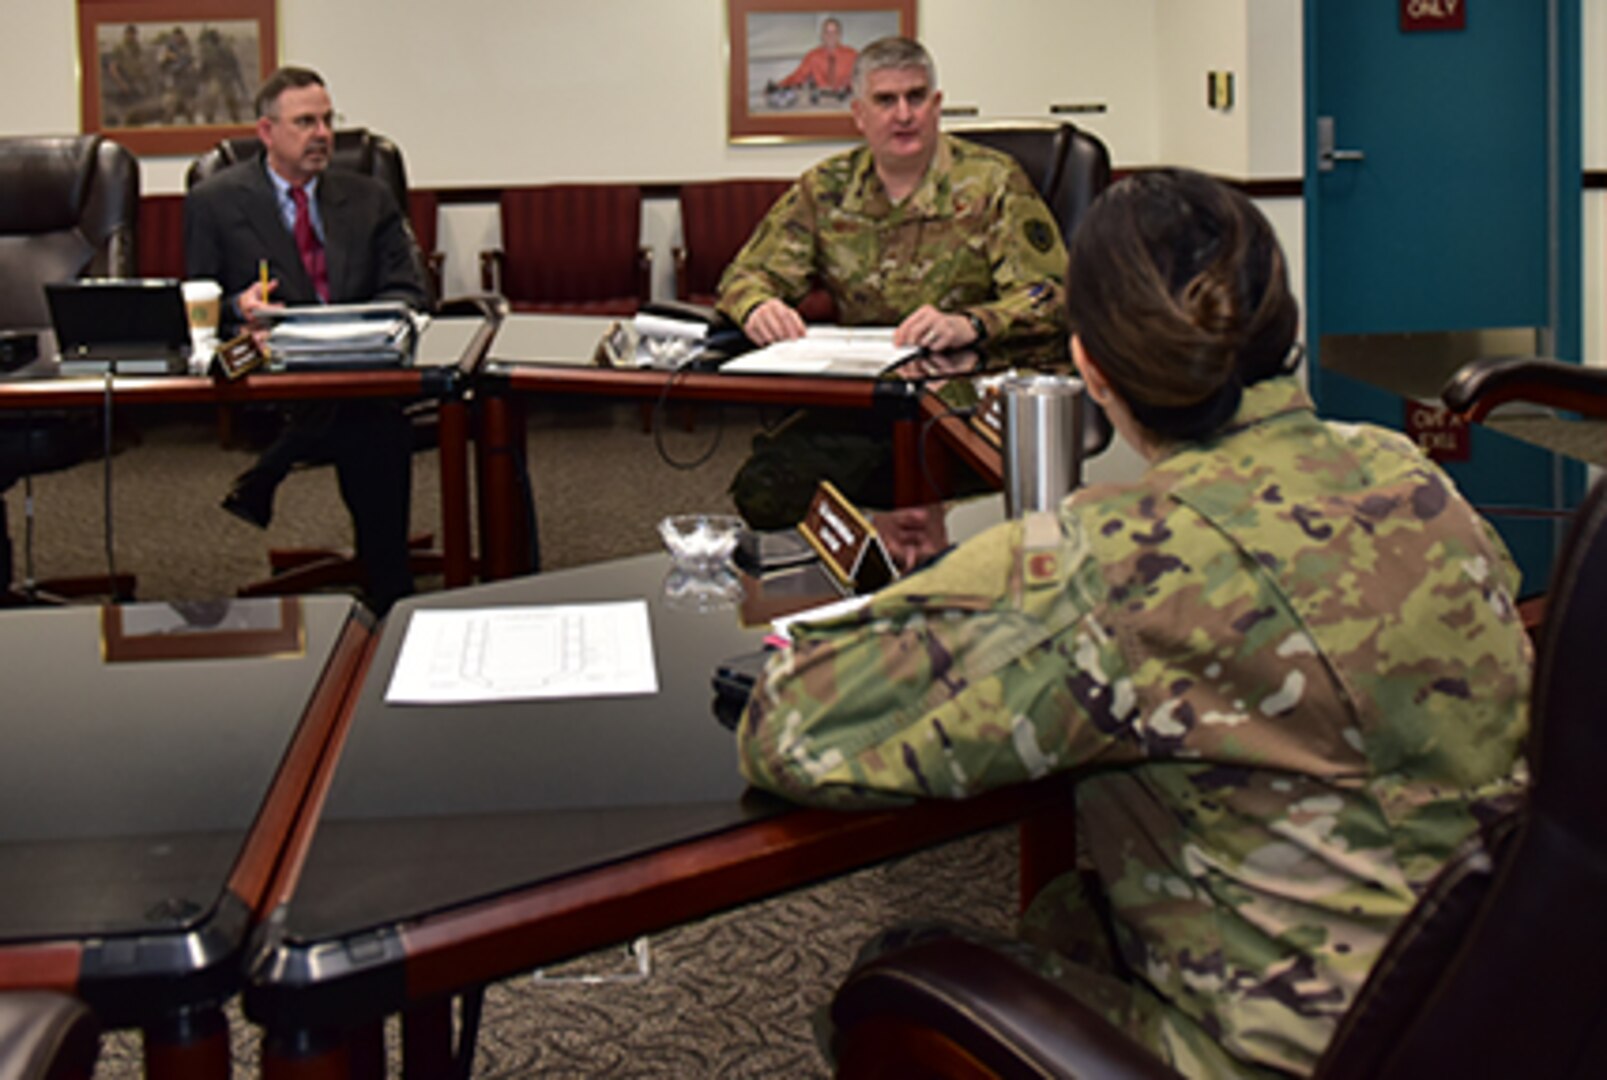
(309, 246)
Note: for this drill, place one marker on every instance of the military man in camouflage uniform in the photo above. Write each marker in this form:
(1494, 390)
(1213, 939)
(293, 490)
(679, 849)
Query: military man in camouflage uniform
(945, 240)
(1288, 657)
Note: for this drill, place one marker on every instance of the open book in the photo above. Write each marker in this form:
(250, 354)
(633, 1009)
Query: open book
(855, 351)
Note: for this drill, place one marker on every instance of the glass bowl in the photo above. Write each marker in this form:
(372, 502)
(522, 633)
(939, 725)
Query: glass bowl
(700, 540)
(718, 589)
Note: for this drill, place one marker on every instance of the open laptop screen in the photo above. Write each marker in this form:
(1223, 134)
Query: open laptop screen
(138, 324)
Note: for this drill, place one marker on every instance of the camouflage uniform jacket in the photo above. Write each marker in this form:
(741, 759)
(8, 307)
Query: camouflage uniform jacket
(973, 237)
(1289, 657)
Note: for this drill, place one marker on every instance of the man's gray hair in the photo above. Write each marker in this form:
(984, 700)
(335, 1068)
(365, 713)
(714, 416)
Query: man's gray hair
(892, 52)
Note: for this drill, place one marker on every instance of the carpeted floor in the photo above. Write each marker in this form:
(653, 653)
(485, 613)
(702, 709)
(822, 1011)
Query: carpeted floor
(730, 996)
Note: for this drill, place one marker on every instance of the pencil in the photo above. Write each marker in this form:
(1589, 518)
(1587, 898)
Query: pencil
(262, 269)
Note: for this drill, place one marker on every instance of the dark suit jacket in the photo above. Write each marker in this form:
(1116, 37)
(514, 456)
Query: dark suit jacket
(231, 221)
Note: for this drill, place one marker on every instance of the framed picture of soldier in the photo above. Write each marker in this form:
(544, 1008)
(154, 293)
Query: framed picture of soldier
(792, 62)
(172, 76)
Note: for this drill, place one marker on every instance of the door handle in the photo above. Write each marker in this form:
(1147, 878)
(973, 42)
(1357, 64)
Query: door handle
(1327, 154)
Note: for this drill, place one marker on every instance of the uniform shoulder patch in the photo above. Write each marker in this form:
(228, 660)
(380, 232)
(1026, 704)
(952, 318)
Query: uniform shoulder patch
(1040, 548)
(1039, 235)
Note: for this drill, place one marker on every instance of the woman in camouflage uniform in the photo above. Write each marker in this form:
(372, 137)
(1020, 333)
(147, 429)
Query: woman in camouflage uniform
(1287, 658)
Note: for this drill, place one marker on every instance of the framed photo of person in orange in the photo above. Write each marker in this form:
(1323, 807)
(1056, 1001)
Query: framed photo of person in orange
(792, 62)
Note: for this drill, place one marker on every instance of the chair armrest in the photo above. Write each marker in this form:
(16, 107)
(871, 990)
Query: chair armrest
(682, 286)
(491, 270)
(485, 305)
(953, 1004)
(491, 309)
(644, 275)
(44, 1034)
(435, 268)
(1481, 385)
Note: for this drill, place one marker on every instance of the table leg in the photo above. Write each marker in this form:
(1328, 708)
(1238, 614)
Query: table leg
(325, 1055)
(453, 438)
(191, 1043)
(427, 1039)
(908, 487)
(500, 458)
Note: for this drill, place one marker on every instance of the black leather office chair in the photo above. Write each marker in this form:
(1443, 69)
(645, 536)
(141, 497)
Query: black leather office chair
(356, 150)
(46, 1036)
(69, 208)
(1500, 970)
(1068, 166)
(1481, 386)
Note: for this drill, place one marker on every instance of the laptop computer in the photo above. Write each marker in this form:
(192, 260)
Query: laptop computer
(130, 326)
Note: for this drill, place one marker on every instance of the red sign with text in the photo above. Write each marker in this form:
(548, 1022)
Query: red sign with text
(1434, 15)
(1441, 433)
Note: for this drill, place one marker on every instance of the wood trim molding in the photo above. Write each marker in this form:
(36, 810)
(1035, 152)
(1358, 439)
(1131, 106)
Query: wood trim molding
(1274, 187)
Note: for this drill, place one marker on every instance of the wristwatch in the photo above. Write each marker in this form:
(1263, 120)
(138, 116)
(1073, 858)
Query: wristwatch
(977, 325)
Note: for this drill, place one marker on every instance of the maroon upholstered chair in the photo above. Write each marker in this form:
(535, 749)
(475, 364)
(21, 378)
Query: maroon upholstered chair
(717, 217)
(161, 236)
(573, 248)
(422, 210)
(1500, 969)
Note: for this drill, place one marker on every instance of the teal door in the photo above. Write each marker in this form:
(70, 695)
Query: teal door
(1443, 222)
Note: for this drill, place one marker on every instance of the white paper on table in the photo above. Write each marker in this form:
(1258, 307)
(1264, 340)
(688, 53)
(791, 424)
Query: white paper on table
(826, 350)
(523, 653)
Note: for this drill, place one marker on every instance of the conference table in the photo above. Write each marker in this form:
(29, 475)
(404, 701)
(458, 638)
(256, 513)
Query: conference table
(455, 844)
(449, 353)
(557, 355)
(156, 761)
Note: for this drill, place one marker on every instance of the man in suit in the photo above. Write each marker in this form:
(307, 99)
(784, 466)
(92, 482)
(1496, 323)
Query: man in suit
(325, 236)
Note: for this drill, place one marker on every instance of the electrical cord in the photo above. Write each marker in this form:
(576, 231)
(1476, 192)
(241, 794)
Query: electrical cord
(659, 417)
(30, 585)
(106, 489)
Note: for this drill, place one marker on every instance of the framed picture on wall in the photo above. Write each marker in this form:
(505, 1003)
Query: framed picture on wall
(172, 76)
(791, 62)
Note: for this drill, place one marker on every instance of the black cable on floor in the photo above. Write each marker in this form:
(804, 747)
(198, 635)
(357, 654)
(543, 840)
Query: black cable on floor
(658, 418)
(106, 490)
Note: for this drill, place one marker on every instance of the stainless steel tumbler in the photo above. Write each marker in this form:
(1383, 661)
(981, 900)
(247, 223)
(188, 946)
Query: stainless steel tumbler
(1043, 419)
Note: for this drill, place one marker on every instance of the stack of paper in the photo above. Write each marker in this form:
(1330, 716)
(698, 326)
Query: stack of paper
(345, 336)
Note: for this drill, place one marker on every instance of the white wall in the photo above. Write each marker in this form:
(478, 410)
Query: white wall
(481, 92)
(484, 92)
(1193, 37)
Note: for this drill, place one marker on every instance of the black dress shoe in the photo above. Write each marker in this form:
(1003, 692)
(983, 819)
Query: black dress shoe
(251, 501)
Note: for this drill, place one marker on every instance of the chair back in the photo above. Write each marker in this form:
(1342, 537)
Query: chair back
(1501, 970)
(717, 217)
(1068, 165)
(574, 248)
(69, 207)
(46, 1035)
(356, 150)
